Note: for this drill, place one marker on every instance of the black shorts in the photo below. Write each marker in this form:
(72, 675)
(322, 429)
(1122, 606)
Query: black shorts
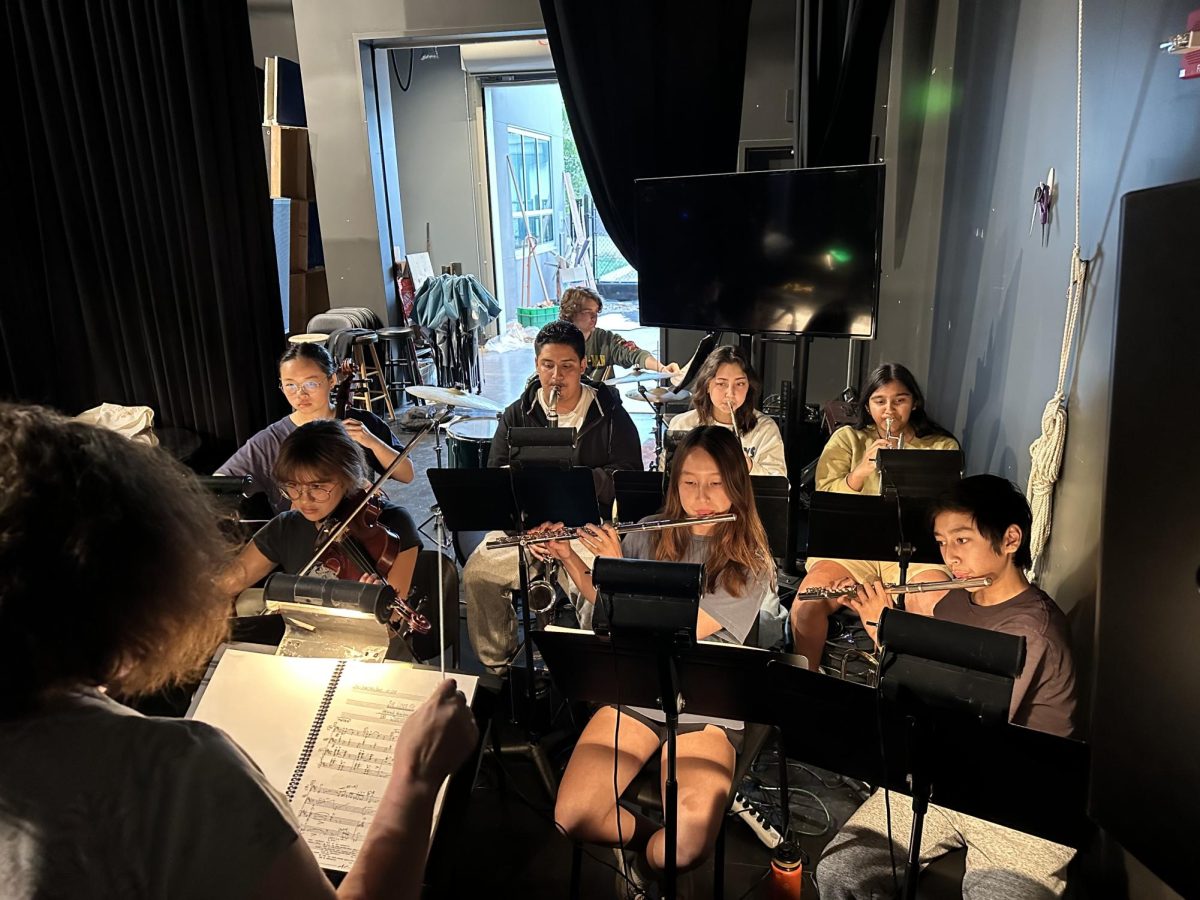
(660, 728)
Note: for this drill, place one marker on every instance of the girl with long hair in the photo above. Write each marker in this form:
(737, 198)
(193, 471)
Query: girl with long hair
(307, 377)
(892, 416)
(726, 393)
(708, 476)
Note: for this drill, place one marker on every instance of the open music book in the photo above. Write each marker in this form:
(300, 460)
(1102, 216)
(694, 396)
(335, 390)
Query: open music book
(322, 731)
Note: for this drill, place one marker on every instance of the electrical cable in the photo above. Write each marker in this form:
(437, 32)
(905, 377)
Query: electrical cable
(392, 63)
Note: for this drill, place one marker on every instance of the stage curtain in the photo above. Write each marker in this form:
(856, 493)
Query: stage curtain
(839, 65)
(140, 264)
(651, 89)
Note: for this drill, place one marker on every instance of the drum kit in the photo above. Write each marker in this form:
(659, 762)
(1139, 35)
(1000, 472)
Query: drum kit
(660, 399)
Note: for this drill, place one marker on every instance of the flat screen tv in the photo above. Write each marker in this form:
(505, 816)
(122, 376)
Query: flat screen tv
(787, 252)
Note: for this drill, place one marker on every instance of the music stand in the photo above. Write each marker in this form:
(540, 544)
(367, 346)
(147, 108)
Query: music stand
(515, 500)
(718, 680)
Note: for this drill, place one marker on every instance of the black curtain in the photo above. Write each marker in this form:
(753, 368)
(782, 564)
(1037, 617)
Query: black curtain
(838, 43)
(141, 263)
(651, 89)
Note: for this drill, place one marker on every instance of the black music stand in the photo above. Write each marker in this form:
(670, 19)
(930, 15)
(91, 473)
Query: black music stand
(515, 500)
(719, 680)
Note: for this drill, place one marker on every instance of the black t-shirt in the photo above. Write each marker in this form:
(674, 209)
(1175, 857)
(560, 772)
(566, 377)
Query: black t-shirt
(289, 540)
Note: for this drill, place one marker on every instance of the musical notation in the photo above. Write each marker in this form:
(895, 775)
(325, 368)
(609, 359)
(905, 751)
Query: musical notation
(349, 768)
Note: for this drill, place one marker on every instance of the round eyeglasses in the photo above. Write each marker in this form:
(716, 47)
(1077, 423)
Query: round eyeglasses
(315, 492)
(307, 387)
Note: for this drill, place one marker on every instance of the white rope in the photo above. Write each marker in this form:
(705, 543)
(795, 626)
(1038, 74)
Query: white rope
(1047, 451)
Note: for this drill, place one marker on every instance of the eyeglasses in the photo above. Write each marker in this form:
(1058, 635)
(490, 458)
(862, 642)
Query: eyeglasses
(307, 387)
(315, 492)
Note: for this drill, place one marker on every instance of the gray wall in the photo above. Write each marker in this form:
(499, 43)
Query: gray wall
(272, 30)
(328, 37)
(433, 156)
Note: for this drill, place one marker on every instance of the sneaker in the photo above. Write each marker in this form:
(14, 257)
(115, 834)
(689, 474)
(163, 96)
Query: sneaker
(633, 883)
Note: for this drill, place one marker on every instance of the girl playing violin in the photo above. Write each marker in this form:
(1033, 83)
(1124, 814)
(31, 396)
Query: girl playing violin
(307, 378)
(319, 470)
(709, 476)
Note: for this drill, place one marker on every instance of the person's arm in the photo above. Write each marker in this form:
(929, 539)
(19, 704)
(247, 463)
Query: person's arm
(247, 568)
(625, 454)
(601, 540)
(498, 455)
(706, 625)
(769, 457)
(382, 452)
(837, 469)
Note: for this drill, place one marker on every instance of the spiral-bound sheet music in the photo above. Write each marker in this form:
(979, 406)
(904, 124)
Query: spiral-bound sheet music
(323, 732)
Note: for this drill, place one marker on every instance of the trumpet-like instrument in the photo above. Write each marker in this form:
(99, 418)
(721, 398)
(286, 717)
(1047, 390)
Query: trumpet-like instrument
(566, 534)
(916, 587)
(543, 578)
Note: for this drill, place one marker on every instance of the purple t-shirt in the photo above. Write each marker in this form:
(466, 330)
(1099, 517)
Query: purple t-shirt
(256, 457)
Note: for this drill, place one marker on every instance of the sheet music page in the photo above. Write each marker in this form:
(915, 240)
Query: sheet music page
(351, 761)
(266, 704)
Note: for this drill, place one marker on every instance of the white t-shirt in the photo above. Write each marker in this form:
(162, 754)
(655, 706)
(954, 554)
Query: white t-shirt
(763, 444)
(99, 801)
(573, 419)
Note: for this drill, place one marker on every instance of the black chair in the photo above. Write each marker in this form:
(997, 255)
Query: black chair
(401, 360)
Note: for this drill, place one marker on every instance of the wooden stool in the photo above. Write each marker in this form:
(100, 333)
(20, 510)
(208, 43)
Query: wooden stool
(362, 344)
(314, 338)
(401, 363)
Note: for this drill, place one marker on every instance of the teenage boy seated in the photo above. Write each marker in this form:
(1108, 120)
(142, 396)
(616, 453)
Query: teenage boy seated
(982, 527)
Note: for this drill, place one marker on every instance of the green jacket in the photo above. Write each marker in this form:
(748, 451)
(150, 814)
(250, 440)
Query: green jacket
(605, 349)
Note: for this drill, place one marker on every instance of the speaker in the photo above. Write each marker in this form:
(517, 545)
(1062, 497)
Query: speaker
(1145, 777)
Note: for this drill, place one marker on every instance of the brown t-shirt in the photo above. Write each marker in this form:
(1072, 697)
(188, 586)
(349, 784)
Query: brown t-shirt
(1044, 693)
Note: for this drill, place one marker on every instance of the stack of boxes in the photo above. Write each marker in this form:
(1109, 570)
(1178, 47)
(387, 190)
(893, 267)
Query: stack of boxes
(302, 284)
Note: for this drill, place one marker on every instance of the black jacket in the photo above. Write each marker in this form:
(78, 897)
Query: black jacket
(608, 440)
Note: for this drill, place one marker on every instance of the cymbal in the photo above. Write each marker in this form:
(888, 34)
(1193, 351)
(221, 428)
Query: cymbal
(659, 397)
(453, 397)
(641, 375)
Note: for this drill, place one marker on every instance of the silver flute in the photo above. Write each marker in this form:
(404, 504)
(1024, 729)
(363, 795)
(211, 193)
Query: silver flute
(916, 587)
(566, 534)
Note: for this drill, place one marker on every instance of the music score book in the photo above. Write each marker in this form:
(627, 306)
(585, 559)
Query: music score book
(323, 731)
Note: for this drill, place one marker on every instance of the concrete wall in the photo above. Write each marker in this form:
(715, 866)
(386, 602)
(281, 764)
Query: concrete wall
(328, 37)
(272, 30)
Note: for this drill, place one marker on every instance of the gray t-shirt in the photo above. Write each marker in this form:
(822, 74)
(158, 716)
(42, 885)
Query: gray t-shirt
(98, 801)
(256, 457)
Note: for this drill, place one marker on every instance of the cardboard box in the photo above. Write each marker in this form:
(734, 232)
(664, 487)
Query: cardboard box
(290, 166)
(296, 304)
(316, 289)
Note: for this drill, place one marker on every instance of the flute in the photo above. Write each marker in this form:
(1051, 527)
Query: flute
(916, 587)
(566, 534)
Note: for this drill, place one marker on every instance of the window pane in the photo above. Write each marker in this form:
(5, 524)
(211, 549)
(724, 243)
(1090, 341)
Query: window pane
(543, 163)
(532, 200)
(518, 230)
(514, 155)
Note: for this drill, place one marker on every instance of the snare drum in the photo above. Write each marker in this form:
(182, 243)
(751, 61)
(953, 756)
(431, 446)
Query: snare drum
(468, 443)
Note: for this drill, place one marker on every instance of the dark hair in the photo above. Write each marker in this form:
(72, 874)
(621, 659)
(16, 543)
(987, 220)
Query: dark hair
(993, 503)
(738, 549)
(315, 353)
(321, 447)
(560, 332)
(921, 424)
(108, 550)
(572, 299)
(746, 418)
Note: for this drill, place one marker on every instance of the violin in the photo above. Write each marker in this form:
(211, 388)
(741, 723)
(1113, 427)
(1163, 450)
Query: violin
(352, 543)
(347, 371)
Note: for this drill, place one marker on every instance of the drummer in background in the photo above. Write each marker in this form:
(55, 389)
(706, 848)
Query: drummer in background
(306, 377)
(606, 440)
(726, 393)
(603, 349)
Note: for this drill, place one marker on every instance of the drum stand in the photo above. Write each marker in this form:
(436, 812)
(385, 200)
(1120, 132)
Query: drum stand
(660, 416)
(435, 513)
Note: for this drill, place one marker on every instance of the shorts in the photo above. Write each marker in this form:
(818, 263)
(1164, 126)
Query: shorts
(660, 728)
